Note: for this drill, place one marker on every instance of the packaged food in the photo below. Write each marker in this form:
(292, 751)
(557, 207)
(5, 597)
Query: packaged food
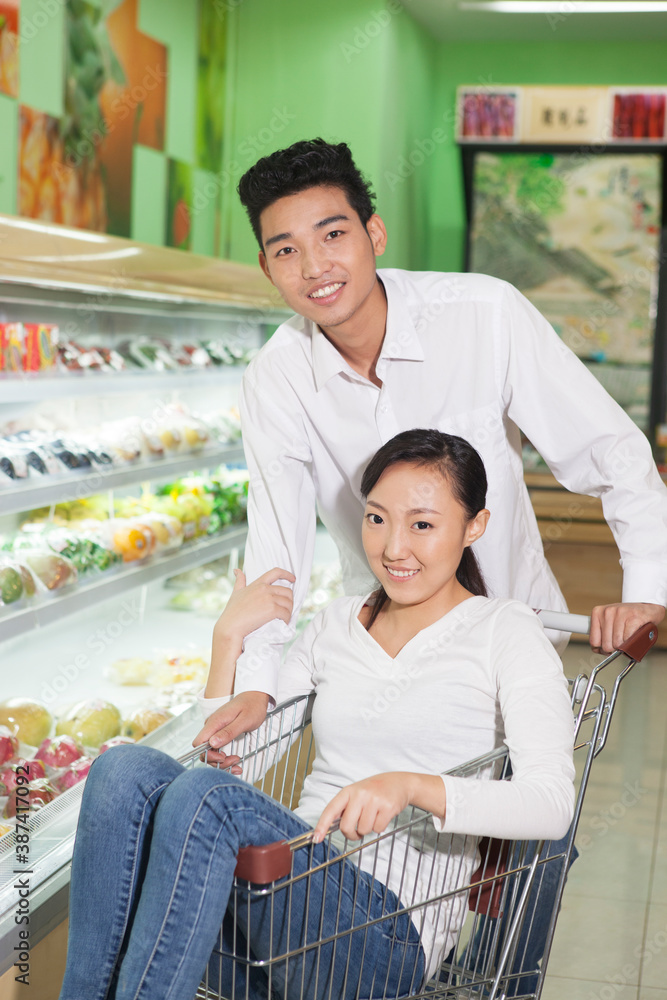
(11, 582)
(130, 670)
(11, 347)
(179, 668)
(90, 722)
(39, 793)
(144, 721)
(59, 751)
(54, 571)
(9, 744)
(38, 346)
(116, 741)
(33, 770)
(129, 537)
(77, 771)
(27, 719)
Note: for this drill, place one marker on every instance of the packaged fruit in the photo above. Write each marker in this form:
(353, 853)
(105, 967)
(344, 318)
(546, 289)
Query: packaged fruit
(59, 751)
(39, 793)
(53, 570)
(9, 744)
(32, 770)
(167, 530)
(131, 539)
(116, 741)
(72, 775)
(91, 722)
(29, 720)
(130, 670)
(144, 721)
(11, 582)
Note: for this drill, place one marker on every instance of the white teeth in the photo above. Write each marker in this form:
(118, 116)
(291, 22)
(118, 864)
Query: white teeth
(401, 572)
(322, 293)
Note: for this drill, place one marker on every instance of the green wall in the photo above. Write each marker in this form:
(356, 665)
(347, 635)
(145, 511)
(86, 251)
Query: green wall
(362, 71)
(515, 63)
(354, 71)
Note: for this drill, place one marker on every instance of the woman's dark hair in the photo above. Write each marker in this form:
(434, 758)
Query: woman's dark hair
(305, 164)
(463, 469)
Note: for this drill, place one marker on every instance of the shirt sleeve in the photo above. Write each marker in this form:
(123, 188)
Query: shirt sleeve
(538, 801)
(589, 443)
(260, 749)
(281, 522)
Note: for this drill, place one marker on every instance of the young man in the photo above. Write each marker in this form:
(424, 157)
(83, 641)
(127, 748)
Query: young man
(369, 354)
(372, 353)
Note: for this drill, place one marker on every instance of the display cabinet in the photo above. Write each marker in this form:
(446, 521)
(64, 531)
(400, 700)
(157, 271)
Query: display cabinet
(112, 298)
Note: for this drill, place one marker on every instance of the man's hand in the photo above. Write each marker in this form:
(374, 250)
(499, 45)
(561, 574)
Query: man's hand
(612, 624)
(242, 714)
(251, 606)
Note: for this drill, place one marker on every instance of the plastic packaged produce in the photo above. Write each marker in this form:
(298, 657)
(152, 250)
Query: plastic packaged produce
(130, 538)
(54, 571)
(30, 720)
(144, 721)
(39, 793)
(33, 770)
(130, 670)
(11, 582)
(77, 771)
(9, 744)
(59, 751)
(91, 722)
(116, 741)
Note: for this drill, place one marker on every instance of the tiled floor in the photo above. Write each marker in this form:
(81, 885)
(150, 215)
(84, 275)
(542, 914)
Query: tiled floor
(611, 936)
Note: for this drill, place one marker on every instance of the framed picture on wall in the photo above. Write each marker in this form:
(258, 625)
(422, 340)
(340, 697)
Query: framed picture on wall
(579, 233)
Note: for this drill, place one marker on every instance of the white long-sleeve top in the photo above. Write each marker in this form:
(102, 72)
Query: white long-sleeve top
(469, 355)
(482, 675)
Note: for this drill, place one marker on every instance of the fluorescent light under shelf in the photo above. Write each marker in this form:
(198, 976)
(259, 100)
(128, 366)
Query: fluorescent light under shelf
(566, 6)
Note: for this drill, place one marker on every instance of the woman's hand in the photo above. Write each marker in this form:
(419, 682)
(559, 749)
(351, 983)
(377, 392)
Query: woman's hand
(368, 806)
(248, 608)
(251, 606)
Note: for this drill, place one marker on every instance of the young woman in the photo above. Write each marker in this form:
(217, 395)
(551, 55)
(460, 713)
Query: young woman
(156, 845)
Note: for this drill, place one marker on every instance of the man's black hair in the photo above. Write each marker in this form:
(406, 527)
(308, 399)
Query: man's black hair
(305, 164)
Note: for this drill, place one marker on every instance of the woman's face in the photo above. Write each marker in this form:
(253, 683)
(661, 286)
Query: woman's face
(414, 533)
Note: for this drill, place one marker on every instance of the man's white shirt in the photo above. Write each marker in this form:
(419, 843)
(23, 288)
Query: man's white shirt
(466, 354)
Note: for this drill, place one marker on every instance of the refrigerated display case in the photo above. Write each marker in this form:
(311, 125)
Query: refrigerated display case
(69, 643)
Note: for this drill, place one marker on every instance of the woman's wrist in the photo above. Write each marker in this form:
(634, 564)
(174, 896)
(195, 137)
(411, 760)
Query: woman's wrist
(225, 651)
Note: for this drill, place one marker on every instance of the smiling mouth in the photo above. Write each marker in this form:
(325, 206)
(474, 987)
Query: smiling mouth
(401, 574)
(324, 293)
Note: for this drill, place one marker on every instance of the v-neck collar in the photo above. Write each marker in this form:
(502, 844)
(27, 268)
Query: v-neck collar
(457, 613)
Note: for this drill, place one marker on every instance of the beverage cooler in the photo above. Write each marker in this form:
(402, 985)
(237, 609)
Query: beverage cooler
(122, 514)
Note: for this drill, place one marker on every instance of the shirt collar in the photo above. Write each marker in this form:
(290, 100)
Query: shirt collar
(400, 343)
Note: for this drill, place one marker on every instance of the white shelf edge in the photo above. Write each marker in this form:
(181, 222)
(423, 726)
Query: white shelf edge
(35, 388)
(114, 584)
(36, 493)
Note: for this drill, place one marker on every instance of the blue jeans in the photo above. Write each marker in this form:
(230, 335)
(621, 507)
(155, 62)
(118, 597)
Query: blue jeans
(536, 923)
(152, 875)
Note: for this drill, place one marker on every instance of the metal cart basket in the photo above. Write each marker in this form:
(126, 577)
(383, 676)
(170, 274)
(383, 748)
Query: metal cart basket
(489, 896)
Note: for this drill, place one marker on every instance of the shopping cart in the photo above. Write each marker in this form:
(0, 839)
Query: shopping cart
(489, 896)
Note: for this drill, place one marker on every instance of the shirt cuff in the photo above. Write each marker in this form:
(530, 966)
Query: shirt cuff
(644, 582)
(207, 706)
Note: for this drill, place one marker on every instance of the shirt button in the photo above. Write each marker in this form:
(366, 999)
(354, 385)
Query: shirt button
(384, 408)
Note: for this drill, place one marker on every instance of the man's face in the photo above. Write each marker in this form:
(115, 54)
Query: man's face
(319, 255)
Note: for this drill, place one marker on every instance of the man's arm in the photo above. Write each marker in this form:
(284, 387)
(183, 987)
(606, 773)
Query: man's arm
(281, 532)
(592, 447)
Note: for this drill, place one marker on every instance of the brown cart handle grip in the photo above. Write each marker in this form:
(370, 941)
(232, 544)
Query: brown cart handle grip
(639, 643)
(262, 865)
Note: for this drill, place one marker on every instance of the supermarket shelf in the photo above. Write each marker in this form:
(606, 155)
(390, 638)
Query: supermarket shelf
(35, 387)
(114, 584)
(41, 493)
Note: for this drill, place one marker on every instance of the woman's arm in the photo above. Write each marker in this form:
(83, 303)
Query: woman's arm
(538, 802)
(368, 806)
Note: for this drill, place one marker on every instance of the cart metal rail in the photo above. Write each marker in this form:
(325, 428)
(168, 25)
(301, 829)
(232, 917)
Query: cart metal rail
(483, 894)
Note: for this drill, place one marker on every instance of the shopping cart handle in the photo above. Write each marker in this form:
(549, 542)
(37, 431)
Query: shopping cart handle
(639, 643)
(262, 865)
